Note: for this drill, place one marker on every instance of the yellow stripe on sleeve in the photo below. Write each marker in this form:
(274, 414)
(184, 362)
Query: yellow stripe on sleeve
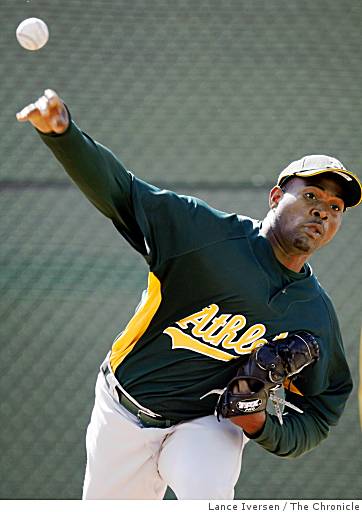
(138, 324)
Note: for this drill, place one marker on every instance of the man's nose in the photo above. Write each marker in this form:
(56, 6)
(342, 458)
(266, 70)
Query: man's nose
(320, 213)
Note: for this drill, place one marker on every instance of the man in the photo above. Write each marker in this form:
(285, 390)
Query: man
(220, 285)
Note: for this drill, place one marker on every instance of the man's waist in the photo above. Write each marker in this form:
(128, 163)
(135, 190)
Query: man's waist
(173, 388)
(145, 416)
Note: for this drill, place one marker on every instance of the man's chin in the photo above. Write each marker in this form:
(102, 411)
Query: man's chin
(304, 245)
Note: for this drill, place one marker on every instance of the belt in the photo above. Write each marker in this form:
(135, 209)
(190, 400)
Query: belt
(145, 417)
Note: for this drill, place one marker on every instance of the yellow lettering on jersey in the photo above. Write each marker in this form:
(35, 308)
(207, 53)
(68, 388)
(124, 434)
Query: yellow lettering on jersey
(281, 336)
(221, 330)
(182, 340)
(250, 339)
(208, 334)
(229, 332)
(199, 319)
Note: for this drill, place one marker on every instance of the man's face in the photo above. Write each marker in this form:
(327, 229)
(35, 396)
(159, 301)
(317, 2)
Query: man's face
(308, 213)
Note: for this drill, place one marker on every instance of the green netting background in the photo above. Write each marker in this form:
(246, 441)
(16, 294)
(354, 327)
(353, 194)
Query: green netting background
(205, 97)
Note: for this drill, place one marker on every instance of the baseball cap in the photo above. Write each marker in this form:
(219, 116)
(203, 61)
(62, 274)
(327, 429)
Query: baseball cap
(311, 165)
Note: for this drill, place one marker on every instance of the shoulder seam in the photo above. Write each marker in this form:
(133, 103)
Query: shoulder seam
(209, 244)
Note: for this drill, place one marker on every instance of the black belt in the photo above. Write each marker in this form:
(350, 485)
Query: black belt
(145, 419)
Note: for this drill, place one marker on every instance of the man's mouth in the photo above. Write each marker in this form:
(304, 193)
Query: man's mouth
(314, 229)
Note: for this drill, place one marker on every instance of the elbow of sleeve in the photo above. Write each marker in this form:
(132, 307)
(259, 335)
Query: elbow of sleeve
(307, 437)
(299, 434)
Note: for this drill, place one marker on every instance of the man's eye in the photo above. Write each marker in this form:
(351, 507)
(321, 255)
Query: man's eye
(310, 195)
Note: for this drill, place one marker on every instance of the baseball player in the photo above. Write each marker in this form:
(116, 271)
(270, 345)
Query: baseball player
(232, 312)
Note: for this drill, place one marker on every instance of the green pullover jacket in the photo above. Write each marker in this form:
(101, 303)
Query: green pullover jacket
(215, 292)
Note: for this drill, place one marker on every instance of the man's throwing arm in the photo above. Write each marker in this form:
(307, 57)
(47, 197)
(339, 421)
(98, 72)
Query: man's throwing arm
(307, 418)
(93, 167)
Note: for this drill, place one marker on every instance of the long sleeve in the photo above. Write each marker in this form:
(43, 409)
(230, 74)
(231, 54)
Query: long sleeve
(326, 387)
(93, 168)
(299, 433)
(147, 217)
(101, 176)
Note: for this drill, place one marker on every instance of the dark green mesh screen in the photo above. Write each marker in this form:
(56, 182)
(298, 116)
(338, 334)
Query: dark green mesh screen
(211, 98)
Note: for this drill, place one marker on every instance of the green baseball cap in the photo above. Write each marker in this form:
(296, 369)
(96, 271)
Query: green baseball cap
(311, 165)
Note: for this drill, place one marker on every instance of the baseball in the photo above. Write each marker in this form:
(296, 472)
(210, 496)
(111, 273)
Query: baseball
(32, 33)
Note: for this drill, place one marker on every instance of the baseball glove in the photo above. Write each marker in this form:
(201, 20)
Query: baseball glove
(264, 372)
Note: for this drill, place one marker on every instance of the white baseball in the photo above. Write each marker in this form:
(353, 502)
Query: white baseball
(32, 33)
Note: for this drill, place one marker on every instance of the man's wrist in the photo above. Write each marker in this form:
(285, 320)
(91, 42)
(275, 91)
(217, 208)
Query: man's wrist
(252, 424)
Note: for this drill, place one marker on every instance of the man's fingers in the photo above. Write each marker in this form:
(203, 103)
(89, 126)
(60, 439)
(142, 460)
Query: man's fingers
(48, 101)
(47, 114)
(60, 120)
(52, 97)
(42, 105)
(58, 123)
(23, 115)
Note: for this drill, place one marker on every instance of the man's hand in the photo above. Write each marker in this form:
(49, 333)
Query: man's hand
(48, 114)
(261, 374)
(251, 423)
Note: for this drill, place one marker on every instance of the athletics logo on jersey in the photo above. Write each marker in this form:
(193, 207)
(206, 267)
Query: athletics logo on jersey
(216, 335)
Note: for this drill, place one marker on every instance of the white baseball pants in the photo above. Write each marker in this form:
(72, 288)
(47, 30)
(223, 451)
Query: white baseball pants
(198, 459)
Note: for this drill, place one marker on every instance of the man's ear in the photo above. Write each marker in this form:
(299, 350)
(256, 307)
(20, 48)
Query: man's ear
(275, 196)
